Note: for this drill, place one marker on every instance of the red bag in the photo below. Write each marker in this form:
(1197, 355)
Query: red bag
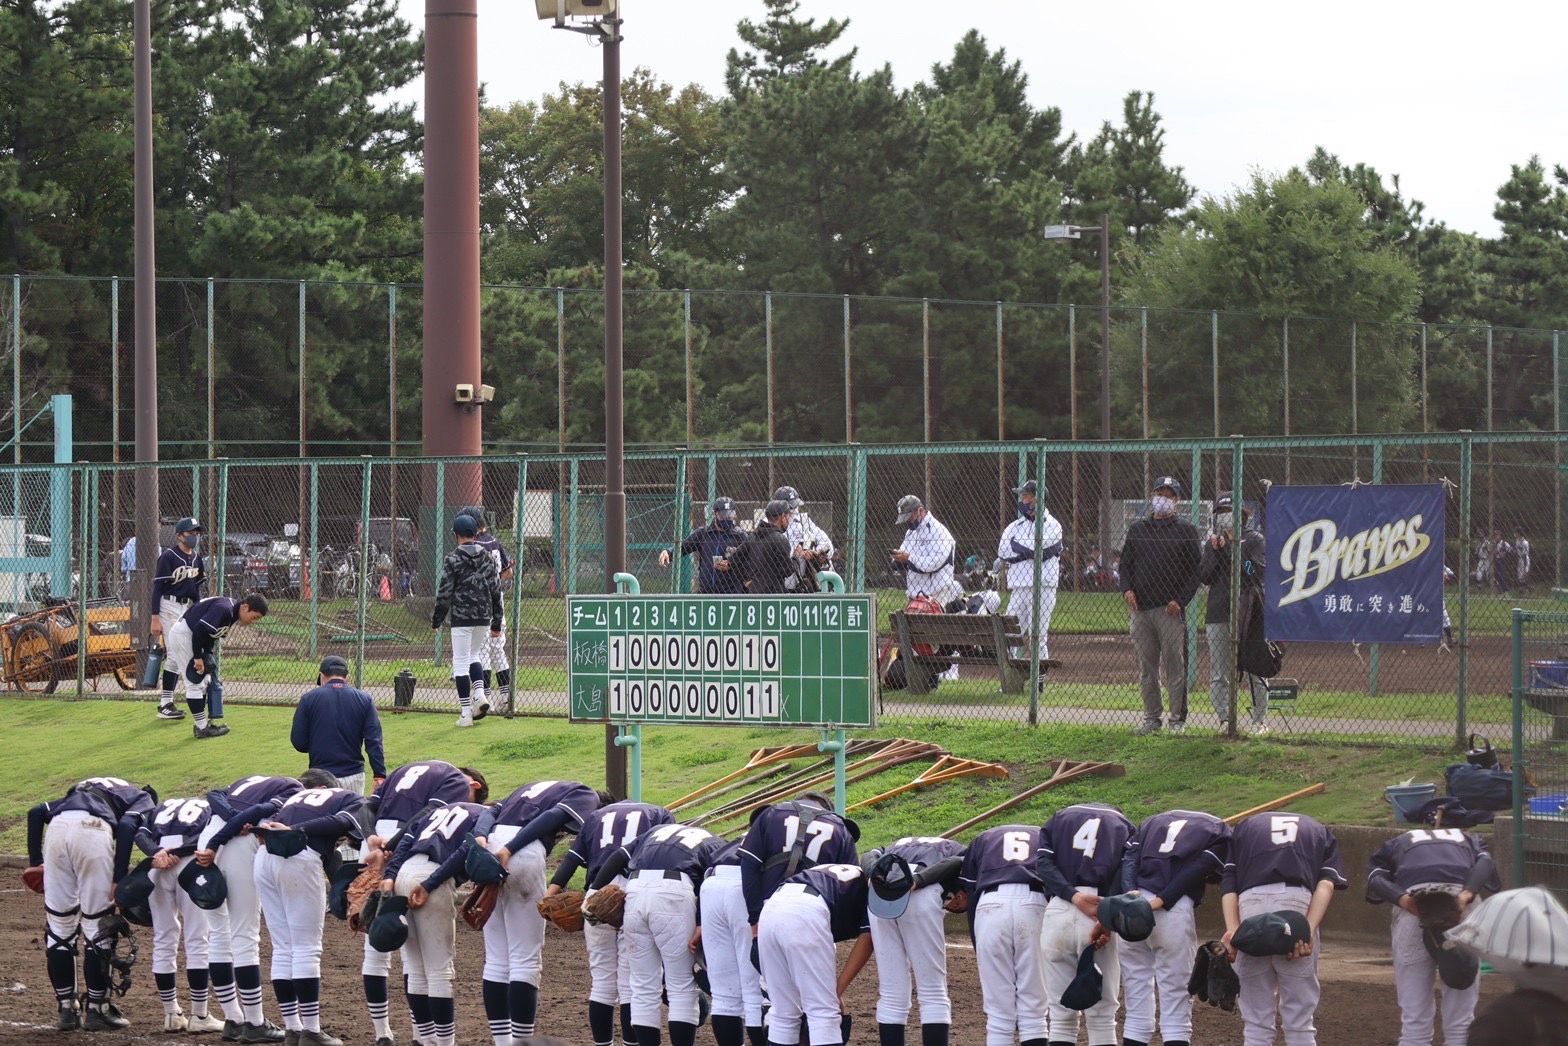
(888, 670)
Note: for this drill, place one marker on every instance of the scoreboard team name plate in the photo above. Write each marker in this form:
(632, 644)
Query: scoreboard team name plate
(722, 660)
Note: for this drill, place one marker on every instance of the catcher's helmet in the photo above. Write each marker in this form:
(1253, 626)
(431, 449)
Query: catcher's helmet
(133, 893)
(723, 508)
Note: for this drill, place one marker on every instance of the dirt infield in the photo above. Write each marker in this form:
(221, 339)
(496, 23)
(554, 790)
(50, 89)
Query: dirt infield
(1358, 1003)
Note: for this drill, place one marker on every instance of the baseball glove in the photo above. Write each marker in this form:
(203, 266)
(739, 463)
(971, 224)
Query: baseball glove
(363, 903)
(607, 906)
(958, 902)
(1213, 979)
(33, 878)
(564, 909)
(1437, 908)
(477, 909)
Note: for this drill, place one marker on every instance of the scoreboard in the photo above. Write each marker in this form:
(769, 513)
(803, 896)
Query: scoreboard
(725, 660)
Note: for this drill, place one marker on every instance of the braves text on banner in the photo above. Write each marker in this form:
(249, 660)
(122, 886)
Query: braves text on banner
(1358, 563)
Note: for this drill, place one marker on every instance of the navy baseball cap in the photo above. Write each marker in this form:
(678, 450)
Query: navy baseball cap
(482, 866)
(389, 930)
(464, 526)
(476, 511)
(891, 883)
(1127, 915)
(723, 508)
(1168, 482)
(206, 886)
(1456, 967)
(187, 525)
(789, 494)
(776, 509)
(333, 665)
(1271, 933)
(1087, 985)
(136, 888)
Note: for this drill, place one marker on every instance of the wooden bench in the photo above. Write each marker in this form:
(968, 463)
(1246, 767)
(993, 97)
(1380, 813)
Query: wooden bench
(980, 639)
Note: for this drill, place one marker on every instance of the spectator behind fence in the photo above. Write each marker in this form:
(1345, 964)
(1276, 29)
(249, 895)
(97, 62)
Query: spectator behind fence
(1214, 571)
(712, 543)
(1521, 558)
(765, 561)
(1017, 549)
(1159, 579)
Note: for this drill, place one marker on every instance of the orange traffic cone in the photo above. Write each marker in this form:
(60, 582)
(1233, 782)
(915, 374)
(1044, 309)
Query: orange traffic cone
(386, 589)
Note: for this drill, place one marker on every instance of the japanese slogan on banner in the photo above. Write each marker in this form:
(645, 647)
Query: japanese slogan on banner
(1361, 563)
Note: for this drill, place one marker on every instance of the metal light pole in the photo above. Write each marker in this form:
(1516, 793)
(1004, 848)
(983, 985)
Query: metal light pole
(1073, 232)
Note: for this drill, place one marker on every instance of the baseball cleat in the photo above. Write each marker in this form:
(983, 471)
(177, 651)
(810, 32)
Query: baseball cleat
(319, 1038)
(291, 1037)
(70, 1018)
(203, 1025)
(481, 709)
(210, 730)
(386, 1040)
(175, 1022)
(266, 1031)
(465, 720)
(104, 1018)
(233, 1031)
(170, 712)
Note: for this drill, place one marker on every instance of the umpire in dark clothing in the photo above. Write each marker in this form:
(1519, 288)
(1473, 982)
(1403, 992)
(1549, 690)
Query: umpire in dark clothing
(766, 560)
(333, 722)
(1159, 577)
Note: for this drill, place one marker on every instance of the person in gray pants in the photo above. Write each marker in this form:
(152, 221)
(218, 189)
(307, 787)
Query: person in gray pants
(1159, 577)
(1214, 571)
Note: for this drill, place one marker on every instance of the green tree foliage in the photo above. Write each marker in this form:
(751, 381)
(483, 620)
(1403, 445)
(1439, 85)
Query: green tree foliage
(1123, 170)
(1284, 246)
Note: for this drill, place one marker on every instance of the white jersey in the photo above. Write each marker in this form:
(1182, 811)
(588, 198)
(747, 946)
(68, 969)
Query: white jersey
(803, 532)
(930, 547)
(1018, 539)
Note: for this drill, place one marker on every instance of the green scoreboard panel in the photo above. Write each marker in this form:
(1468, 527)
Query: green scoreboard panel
(741, 660)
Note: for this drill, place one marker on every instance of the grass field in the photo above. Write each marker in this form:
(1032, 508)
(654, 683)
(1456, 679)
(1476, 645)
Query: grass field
(53, 744)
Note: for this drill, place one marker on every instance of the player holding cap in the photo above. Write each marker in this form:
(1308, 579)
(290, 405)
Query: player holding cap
(787, 838)
(470, 590)
(1168, 861)
(177, 581)
(661, 929)
(609, 965)
(169, 835)
(1080, 861)
(190, 646)
(1006, 903)
(1280, 862)
(907, 933)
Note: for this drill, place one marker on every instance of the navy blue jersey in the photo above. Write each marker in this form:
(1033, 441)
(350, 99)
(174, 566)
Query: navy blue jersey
(1173, 854)
(1282, 848)
(488, 542)
(787, 838)
(730, 854)
(108, 798)
(676, 848)
(442, 834)
(921, 851)
(604, 830)
(1429, 855)
(540, 812)
(1005, 854)
(412, 787)
(249, 791)
(209, 621)
(175, 826)
(1085, 843)
(178, 575)
(707, 542)
(842, 888)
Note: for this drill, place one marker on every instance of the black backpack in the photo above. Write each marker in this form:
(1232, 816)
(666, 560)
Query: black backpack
(1255, 652)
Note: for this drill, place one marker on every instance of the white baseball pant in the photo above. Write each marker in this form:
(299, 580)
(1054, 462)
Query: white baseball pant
(609, 964)
(174, 914)
(799, 965)
(1021, 606)
(428, 955)
(1162, 963)
(726, 947)
(514, 936)
(1414, 974)
(234, 927)
(469, 644)
(660, 917)
(1064, 933)
(78, 876)
(293, 894)
(1007, 957)
(914, 942)
(177, 646)
(495, 650)
(376, 963)
(1293, 982)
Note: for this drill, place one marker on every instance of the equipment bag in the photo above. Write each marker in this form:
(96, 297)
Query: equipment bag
(1482, 788)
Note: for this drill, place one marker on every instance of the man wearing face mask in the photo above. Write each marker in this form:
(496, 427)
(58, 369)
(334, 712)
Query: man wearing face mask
(1214, 571)
(925, 556)
(1017, 550)
(1159, 577)
(177, 582)
(711, 543)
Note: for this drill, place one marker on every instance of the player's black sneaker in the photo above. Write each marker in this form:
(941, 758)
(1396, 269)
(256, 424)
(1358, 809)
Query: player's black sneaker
(170, 712)
(266, 1031)
(210, 730)
(70, 1018)
(233, 1031)
(105, 1018)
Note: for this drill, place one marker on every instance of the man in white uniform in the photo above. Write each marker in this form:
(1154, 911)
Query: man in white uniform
(1017, 550)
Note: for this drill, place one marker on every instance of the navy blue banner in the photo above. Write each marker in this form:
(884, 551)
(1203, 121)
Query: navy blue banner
(1358, 563)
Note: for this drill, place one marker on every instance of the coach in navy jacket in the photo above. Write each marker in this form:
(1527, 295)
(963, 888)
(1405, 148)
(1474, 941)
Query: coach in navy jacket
(333, 722)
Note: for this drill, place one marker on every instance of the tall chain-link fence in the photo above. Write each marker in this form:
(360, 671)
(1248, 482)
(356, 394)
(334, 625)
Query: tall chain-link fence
(348, 552)
(251, 368)
(1533, 837)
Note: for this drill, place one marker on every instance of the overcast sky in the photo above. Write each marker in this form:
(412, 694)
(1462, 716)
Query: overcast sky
(1447, 95)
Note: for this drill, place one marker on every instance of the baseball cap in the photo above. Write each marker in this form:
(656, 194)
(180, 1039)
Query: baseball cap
(891, 881)
(465, 526)
(776, 509)
(789, 494)
(188, 524)
(206, 886)
(1127, 915)
(482, 866)
(476, 511)
(1087, 985)
(1167, 481)
(389, 931)
(1271, 933)
(907, 506)
(136, 888)
(1030, 487)
(1457, 968)
(333, 665)
(723, 508)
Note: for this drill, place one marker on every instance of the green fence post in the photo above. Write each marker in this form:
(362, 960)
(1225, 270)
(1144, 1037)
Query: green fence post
(223, 518)
(1516, 642)
(571, 533)
(519, 557)
(364, 569)
(1374, 656)
(1466, 477)
(857, 518)
(834, 741)
(196, 491)
(1033, 639)
(89, 516)
(87, 565)
(678, 576)
(629, 736)
(1191, 619)
(313, 561)
(442, 535)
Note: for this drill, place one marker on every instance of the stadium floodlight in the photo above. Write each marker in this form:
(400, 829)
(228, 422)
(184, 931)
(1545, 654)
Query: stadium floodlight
(1062, 232)
(560, 10)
